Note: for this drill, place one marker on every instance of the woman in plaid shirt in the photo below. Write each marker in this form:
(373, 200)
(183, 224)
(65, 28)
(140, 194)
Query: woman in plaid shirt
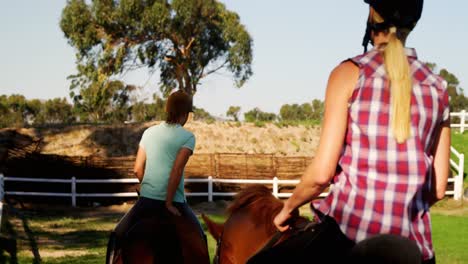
(386, 124)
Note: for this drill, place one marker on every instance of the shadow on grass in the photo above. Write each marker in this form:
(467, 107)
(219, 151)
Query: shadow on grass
(32, 241)
(47, 236)
(87, 239)
(10, 241)
(8, 245)
(85, 259)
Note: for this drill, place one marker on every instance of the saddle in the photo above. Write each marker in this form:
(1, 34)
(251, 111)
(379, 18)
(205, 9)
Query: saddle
(167, 240)
(151, 237)
(320, 242)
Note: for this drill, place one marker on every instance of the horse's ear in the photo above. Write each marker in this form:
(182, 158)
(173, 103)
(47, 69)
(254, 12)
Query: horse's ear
(215, 229)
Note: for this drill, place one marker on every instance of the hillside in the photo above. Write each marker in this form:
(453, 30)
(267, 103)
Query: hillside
(217, 137)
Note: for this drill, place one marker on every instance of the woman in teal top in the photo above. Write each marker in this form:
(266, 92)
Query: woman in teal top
(163, 152)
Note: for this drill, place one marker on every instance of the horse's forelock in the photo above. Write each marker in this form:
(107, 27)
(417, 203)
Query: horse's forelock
(259, 201)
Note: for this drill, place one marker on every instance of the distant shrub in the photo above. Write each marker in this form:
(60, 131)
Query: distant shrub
(259, 123)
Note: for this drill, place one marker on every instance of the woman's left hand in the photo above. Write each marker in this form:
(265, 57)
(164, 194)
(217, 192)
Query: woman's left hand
(172, 209)
(281, 220)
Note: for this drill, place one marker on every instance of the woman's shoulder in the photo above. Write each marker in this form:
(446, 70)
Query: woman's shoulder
(151, 128)
(187, 133)
(345, 71)
(425, 75)
(343, 79)
(365, 58)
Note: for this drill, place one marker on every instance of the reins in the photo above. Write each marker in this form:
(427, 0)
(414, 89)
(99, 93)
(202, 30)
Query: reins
(218, 248)
(296, 229)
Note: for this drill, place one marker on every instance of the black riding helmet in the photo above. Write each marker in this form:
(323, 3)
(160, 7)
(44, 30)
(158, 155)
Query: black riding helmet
(396, 13)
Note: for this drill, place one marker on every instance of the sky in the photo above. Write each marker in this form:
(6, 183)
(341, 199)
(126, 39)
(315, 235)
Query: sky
(296, 45)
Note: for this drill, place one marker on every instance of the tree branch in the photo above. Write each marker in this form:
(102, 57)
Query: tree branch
(186, 49)
(214, 70)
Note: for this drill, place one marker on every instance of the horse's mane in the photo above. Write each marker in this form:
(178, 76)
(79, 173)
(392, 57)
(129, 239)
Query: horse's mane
(259, 201)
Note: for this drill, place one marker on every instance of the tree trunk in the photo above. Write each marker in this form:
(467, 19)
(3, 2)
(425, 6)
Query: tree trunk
(185, 83)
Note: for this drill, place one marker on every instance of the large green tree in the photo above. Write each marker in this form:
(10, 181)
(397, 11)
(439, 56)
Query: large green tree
(184, 40)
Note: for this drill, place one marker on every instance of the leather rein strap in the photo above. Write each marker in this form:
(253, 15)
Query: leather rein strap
(298, 228)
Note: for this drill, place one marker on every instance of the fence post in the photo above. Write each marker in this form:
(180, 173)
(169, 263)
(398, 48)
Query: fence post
(458, 185)
(73, 191)
(462, 121)
(275, 187)
(2, 190)
(210, 189)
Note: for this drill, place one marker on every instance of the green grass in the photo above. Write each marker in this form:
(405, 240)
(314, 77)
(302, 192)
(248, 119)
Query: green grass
(61, 235)
(211, 241)
(450, 237)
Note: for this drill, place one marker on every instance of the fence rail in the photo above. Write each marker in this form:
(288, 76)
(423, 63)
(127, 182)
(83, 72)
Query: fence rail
(459, 168)
(457, 180)
(275, 182)
(463, 118)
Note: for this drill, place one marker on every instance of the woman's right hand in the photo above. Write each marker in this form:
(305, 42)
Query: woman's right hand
(281, 220)
(171, 208)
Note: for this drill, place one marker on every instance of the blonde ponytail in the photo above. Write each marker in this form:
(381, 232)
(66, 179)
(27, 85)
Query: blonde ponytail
(401, 82)
(398, 70)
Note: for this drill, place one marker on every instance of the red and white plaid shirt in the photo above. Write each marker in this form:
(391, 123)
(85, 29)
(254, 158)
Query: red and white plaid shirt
(382, 186)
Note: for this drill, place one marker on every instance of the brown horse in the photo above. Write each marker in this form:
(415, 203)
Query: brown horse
(249, 228)
(249, 225)
(156, 240)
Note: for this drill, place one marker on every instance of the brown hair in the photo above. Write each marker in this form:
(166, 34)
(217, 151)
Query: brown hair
(178, 104)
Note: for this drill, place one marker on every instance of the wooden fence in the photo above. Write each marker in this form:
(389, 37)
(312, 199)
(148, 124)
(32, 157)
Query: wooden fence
(245, 166)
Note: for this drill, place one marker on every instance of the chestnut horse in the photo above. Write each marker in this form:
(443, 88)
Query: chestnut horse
(156, 240)
(249, 226)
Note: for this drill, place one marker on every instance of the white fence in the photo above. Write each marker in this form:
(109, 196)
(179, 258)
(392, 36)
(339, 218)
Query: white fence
(463, 118)
(458, 178)
(74, 195)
